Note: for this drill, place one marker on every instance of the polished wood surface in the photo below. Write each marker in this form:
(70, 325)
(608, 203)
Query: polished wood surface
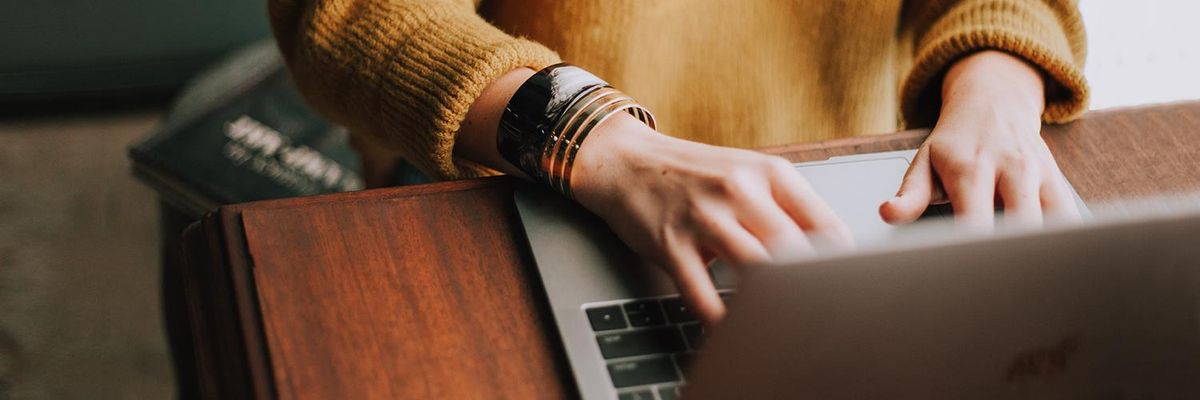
(429, 291)
(427, 304)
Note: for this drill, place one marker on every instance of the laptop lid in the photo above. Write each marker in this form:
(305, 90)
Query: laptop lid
(1107, 309)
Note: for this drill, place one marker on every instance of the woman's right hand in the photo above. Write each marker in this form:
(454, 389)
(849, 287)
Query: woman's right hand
(680, 203)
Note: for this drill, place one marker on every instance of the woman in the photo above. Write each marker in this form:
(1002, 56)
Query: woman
(430, 80)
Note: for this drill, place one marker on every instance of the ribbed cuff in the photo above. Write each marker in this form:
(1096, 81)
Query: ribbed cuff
(1049, 38)
(436, 76)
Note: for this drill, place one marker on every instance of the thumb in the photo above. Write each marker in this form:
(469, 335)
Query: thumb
(916, 191)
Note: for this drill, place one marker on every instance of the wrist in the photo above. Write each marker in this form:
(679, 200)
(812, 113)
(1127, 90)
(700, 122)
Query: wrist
(994, 79)
(476, 139)
(618, 143)
(552, 114)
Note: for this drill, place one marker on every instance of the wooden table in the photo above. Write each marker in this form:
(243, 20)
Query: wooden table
(429, 291)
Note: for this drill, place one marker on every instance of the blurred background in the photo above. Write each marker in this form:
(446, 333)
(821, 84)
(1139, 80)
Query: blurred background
(82, 82)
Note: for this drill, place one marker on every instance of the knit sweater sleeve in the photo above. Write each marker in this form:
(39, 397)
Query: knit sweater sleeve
(403, 72)
(1048, 34)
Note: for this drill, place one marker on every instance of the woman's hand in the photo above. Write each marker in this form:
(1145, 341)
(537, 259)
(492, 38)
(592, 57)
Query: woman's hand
(680, 203)
(986, 147)
(677, 203)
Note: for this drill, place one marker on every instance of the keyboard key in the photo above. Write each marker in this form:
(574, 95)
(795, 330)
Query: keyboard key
(668, 393)
(677, 311)
(606, 318)
(636, 395)
(644, 313)
(684, 361)
(694, 334)
(650, 341)
(642, 372)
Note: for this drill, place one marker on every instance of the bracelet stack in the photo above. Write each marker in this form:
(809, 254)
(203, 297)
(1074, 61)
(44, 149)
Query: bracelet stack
(549, 117)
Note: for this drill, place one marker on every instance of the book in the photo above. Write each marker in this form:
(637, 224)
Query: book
(242, 132)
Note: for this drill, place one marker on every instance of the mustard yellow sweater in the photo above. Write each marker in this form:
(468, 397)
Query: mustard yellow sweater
(748, 73)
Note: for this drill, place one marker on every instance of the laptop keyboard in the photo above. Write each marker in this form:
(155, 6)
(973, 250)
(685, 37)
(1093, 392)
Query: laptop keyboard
(647, 344)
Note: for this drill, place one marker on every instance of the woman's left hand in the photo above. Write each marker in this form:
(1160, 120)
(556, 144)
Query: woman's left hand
(986, 148)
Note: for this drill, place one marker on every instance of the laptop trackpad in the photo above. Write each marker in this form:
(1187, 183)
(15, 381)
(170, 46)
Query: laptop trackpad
(855, 189)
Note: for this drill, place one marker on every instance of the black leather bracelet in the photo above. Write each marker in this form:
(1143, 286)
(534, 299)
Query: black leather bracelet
(530, 116)
(548, 118)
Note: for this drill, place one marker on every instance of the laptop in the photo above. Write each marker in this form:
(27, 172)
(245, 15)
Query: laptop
(626, 332)
(1108, 309)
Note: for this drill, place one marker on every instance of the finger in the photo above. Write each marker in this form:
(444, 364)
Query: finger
(731, 242)
(1020, 191)
(972, 194)
(1058, 202)
(774, 228)
(795, 197)
(917, 191)
(690, 274)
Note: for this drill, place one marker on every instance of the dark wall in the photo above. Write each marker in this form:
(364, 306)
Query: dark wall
(72, 48)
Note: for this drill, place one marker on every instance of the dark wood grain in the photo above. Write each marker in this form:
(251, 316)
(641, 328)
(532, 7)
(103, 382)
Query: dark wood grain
(428, 291)
(1131, 153)
(429, 298)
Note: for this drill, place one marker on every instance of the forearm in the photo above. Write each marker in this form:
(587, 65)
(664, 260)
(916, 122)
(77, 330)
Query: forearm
(401, 72)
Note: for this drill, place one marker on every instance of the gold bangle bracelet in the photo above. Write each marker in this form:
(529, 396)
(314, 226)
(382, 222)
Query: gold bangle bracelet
(628, 106)
(547, 119)
(563, 130)
(588, 112)
(595, 109)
